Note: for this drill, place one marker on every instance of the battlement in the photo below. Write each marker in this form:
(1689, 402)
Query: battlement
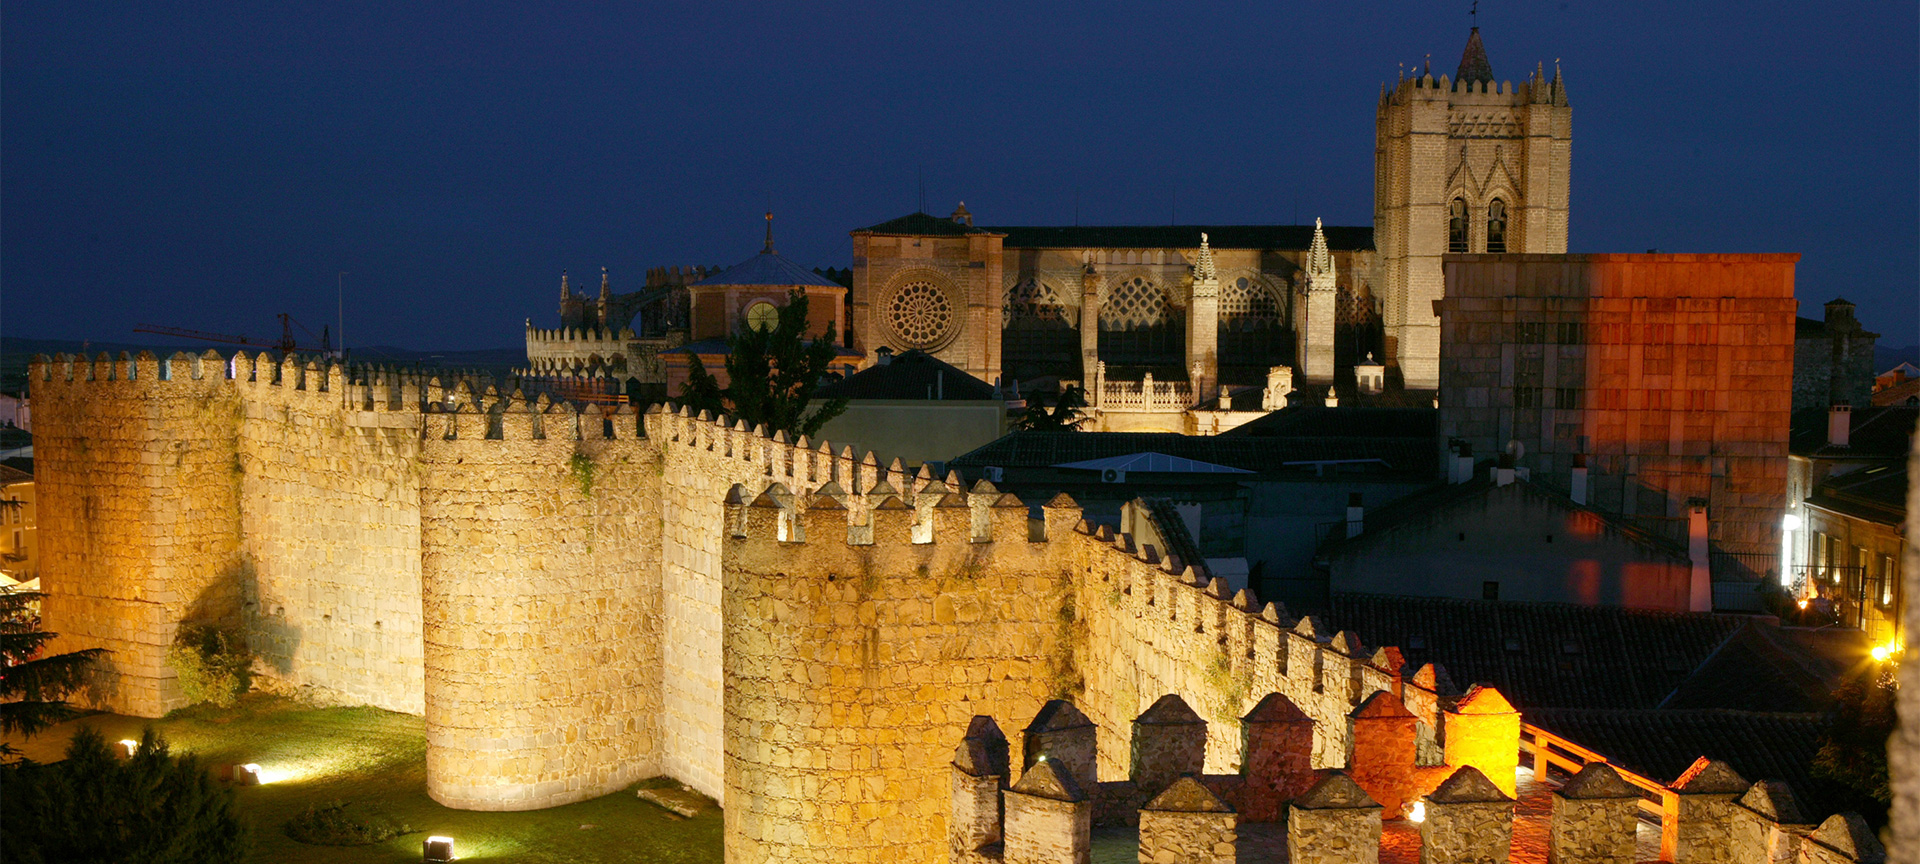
(1333, 815)
(574, 335)
(1537, 89)
(366, 386)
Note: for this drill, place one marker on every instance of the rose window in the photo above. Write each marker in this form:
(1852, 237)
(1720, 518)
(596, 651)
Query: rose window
(920, 314)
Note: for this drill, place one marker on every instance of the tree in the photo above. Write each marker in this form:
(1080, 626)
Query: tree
(34, 689)
(771, 375)
(1853, 752)
(1066, 415)
(93, 807)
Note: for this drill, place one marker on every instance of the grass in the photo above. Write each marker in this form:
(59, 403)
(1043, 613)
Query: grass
(378, 759)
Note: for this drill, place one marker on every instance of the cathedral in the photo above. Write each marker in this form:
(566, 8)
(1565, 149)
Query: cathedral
(1158, 324)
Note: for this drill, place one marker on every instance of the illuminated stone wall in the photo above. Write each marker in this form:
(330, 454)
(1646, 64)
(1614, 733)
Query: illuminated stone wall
(539, 540)
(138, 477)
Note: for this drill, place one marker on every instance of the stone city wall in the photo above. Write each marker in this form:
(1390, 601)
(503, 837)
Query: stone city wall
(540, 536)
(330, 531)
(138, 477)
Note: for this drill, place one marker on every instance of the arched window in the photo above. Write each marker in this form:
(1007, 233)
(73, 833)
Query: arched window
(1457, 226)
(1134, 305)
(1032, 303)
(1497, 226)
(1246, 304)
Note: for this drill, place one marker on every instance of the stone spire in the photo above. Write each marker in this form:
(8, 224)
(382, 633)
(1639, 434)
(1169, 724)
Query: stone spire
(1474, 68)
(1320, 269)
(565, 292)
(1203, 269)
(605, 288)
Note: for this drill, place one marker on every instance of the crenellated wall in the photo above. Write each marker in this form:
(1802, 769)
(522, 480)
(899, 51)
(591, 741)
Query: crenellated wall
(539, 540)
(576, 598)
(138, 476)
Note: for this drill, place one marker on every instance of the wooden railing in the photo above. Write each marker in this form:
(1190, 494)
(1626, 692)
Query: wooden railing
(1657, 801)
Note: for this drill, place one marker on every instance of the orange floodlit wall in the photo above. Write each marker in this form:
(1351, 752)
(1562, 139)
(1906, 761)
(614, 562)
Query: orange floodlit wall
(1672, 374)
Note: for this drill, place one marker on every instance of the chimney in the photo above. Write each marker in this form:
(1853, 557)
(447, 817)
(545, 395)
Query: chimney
(1356, 515)
(1839, 424)
(882, 356)
(1579, 486)
(1502, 471)
(1700, 597)
(1460, 466)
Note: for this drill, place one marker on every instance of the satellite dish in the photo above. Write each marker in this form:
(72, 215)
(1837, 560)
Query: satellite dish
(1516, 449)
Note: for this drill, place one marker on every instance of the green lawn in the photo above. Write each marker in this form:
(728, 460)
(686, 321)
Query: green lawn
(378, 758)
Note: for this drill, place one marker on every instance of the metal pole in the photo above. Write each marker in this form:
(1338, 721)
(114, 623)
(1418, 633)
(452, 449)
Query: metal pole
(340, 297)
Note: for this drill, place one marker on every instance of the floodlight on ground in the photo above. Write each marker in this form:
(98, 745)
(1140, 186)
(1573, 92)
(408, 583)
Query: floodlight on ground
(130, 744)
(435, 850)
(246, 775)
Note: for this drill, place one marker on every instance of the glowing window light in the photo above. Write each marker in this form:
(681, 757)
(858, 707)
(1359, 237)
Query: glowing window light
(436, 849)
(1419, 812)
(130, 744)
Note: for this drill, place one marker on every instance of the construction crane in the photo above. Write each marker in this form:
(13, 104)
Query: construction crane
(286, 345)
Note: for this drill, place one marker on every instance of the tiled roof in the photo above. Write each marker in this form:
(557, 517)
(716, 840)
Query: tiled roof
(1899, 393)
(1876, 494)
(1421, 505)
(1759, 668)
(10, 475)
(1288, 237)
(1542, 655)
(709, 347)
(1173, 531)
(768, 268)
(1663, 744)
(1405, 456)
(912, 375)
(1309, 421)
(1148, 462)
(1878, 432)
(922, 224)
(1473, 61)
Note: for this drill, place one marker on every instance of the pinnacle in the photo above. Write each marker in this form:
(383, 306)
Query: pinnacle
(1474, 67)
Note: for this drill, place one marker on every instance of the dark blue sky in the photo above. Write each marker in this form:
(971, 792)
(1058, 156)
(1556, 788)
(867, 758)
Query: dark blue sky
(208, 167)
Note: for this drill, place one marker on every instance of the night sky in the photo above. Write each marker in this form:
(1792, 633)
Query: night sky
(209, 167)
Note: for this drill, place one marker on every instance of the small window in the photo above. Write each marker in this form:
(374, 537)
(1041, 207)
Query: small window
(1491, 591)
(1887, 578)
(1497, 226)
(1526, 397)
(1463, 536)
(1457, 226)
(763, 316)
(1566, 398)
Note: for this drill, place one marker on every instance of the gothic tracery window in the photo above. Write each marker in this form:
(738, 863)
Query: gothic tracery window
(1034, 303)
(1134, 304)
(920, 315)
(1246, 304)
(1457, 226)
(1497, 226)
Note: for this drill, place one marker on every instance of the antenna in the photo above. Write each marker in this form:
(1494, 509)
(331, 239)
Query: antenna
(340, 297)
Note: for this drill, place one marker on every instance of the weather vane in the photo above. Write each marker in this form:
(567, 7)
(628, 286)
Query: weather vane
(1473, 14)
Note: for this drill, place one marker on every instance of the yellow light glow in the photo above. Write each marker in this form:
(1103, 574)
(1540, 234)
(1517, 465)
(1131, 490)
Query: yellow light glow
(130, 744)
(1803, 603)
(1419, 813)
(1880, 653)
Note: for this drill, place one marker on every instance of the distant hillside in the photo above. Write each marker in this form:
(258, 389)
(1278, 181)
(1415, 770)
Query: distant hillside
(16, 353)
(1887, 356)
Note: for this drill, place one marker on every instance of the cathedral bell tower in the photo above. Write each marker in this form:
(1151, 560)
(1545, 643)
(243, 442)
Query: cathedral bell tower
(1462, 165)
